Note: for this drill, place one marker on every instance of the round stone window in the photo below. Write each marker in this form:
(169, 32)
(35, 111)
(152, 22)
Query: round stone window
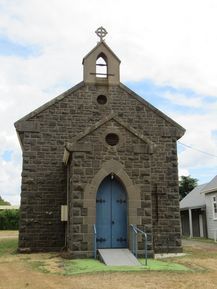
(112, 139)
(101, 99)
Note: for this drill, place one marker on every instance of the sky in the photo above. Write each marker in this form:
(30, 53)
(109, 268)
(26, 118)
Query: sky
(168, 52)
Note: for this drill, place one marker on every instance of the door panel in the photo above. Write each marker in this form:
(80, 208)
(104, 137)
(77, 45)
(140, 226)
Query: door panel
(119, 216)
(103, 215)
(111, 214)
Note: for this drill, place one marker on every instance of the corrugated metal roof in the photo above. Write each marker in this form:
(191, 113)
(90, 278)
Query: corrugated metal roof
(196, 198)
(211, 186)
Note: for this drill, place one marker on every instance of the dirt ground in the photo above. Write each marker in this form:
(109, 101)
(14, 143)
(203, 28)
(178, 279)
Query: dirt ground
(8, 234)
(15, 273)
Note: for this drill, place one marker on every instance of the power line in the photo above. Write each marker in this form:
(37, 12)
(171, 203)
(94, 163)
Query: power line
(190, 147)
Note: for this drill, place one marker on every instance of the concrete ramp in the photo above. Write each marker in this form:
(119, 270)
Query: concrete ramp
(118, 257)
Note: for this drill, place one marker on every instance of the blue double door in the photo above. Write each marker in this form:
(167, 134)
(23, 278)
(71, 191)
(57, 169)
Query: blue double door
(111, 214)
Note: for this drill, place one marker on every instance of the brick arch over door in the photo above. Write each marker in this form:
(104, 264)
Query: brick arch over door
(133, 192)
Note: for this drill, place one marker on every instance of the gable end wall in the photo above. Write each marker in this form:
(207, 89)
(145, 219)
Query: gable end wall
(44, 182)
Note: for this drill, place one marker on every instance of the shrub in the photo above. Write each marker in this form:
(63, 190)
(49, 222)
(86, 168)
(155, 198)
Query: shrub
(9, 219)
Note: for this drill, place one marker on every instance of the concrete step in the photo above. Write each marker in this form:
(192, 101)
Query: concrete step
(118, 257)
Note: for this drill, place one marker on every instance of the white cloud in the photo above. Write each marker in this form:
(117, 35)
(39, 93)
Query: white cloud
(10, 181)
(170, 42)
(10, 171)
(183, 172)
(165, 41)
(203, 154)
(184, 100)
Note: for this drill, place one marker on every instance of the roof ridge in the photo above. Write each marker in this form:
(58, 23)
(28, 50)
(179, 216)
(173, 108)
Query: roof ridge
(49, 103)
(99, 44)
(153, 108)
(211, 186)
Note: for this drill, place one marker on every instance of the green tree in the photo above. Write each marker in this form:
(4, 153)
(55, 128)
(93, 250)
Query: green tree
(9, 219)
(186, 184)
(3, 202)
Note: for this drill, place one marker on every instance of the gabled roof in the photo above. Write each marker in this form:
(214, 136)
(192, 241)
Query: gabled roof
(50, 103)
(154, 109)
(211, 186)
(178, 132)
(97, 46)
(195, 199)
(81, 84)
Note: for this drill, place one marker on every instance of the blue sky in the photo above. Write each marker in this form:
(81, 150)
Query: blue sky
(9, 47)
(155, 95)
(169, 62)
(7, 155)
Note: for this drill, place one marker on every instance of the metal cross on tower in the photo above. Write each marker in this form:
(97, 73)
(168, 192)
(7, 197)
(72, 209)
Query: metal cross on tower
(101, 32)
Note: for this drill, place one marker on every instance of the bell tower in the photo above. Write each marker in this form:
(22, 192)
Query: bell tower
(101, 65)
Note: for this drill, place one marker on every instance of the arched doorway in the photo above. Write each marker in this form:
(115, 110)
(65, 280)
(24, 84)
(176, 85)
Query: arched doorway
(111, 214)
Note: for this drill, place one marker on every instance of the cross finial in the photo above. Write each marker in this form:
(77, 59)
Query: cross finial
(101, 32)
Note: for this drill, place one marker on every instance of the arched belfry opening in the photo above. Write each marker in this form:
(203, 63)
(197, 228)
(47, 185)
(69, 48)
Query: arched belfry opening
(102, 66)
(111, 213)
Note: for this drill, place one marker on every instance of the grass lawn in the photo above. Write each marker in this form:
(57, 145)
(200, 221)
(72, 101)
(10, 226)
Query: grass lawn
(90, 266)
(197, 269)
(8, 246)
(72, 267)
(200, 239)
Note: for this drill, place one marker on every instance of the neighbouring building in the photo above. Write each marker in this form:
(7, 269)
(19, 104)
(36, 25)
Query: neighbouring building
(199, 211)
(193, 213)
(105, 156)
(210, 192)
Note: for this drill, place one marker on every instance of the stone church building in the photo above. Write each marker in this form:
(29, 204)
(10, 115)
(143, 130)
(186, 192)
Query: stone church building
(98, 154)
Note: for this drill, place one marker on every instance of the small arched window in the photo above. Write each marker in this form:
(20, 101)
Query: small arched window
(101, 66)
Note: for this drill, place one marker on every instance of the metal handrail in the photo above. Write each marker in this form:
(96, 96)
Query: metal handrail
(94, 241)
(135, 232)
(134, 240)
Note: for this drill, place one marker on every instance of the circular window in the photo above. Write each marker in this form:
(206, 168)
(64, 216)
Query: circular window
(102, 99)
(112, 139)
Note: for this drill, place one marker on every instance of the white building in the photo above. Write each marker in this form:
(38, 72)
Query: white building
(199, 211)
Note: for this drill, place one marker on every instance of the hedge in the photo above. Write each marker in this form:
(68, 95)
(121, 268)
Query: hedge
(9, 219)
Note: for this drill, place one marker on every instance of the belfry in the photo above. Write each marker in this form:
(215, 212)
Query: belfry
(97, 159)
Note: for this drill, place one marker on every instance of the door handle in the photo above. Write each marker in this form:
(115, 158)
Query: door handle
(113, 222)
